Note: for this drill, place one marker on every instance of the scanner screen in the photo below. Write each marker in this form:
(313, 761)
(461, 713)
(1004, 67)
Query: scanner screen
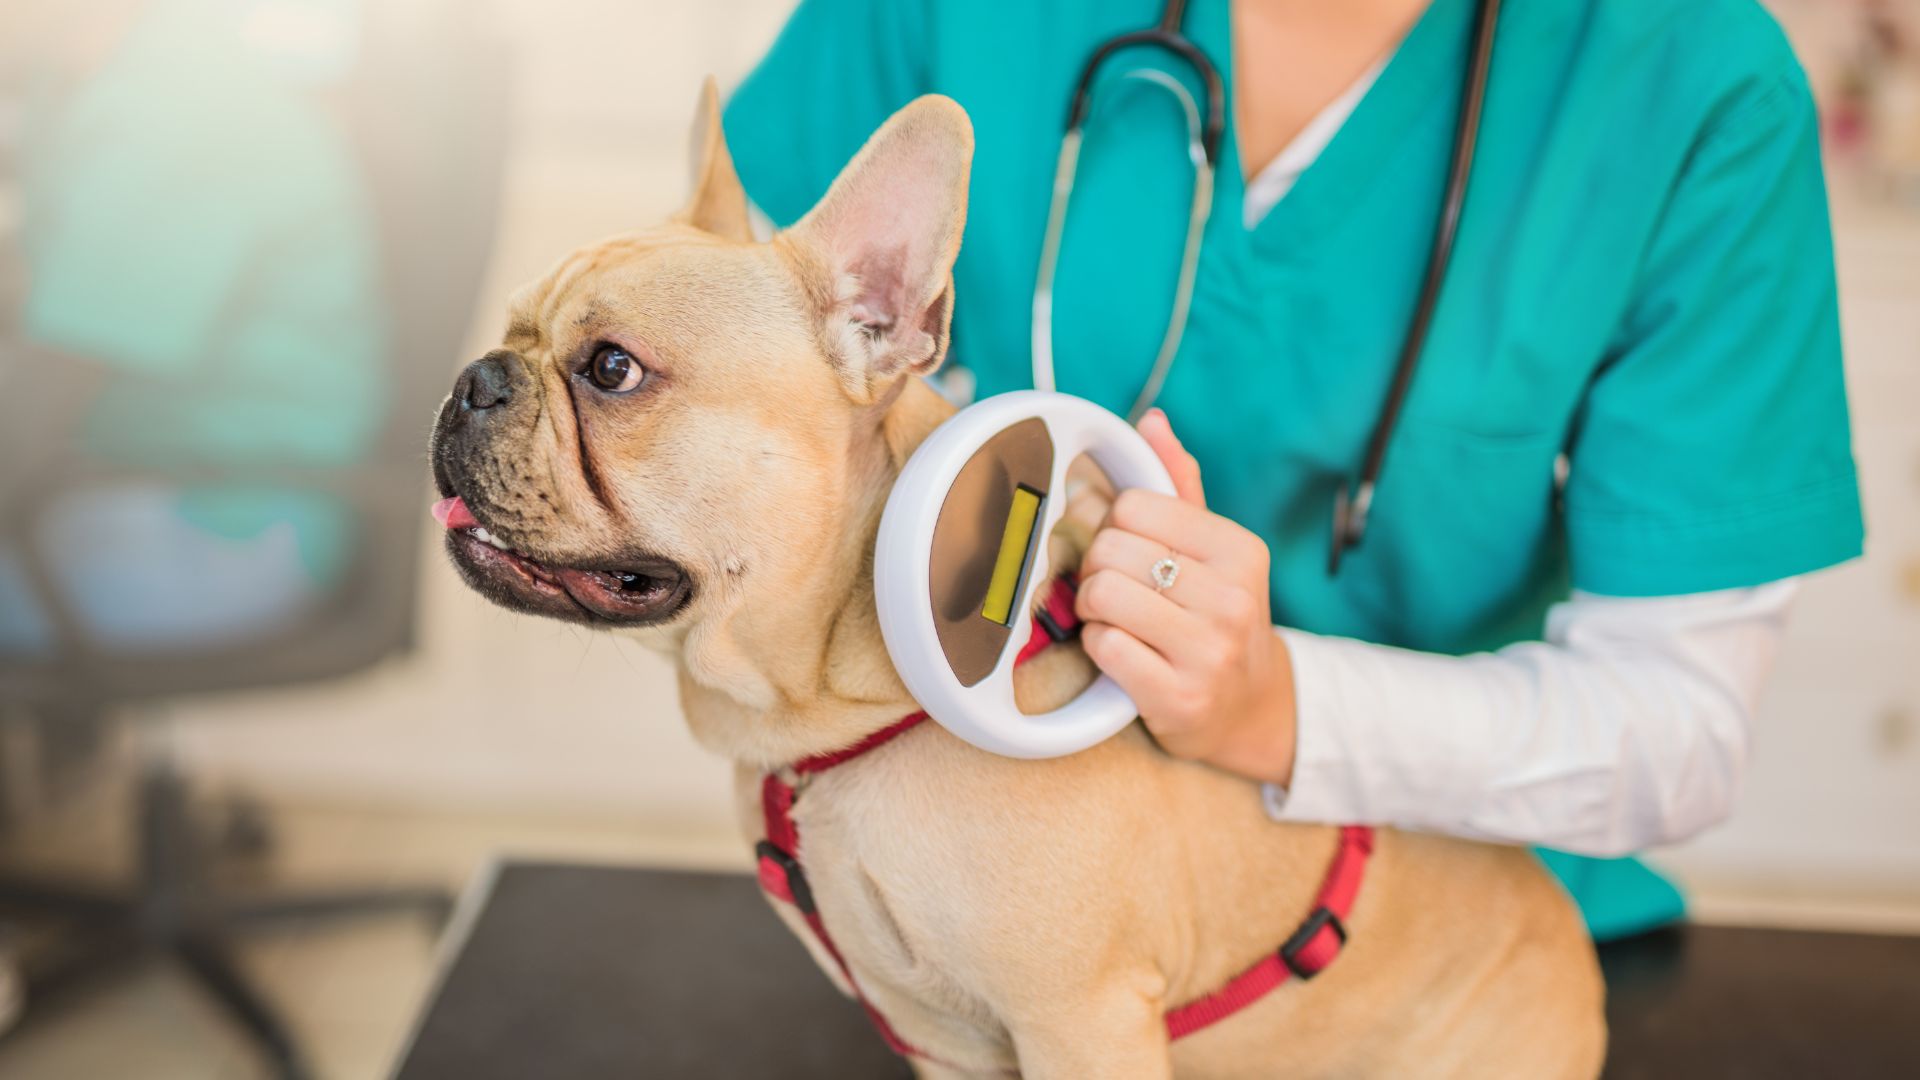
(1009, 566)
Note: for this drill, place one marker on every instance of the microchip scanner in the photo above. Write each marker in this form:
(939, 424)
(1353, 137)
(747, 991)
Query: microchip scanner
(962, 546)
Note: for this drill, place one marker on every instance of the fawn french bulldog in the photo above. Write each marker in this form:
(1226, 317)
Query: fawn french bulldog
(688, 436)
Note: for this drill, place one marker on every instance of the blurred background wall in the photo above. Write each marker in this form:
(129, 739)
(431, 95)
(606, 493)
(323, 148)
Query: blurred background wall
(495, 716)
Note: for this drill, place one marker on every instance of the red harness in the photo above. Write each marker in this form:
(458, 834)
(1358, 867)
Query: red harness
(1311, 948)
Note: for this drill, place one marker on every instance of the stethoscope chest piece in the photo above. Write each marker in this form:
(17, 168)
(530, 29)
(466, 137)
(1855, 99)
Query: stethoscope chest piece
(963, 546)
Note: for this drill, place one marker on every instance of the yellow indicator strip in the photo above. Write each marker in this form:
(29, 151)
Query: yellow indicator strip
(1015, 542)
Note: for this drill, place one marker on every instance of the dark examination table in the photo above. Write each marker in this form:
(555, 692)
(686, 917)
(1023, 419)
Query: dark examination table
(569, 972)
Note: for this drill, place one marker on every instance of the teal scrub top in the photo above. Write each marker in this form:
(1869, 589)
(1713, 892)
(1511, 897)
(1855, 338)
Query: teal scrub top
(1643, 282)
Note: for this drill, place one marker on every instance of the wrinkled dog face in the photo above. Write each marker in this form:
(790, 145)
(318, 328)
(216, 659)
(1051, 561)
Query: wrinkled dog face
(636, 405)
(679, 418)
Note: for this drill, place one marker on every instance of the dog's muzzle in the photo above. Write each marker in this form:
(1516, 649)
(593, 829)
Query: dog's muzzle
(484, 422)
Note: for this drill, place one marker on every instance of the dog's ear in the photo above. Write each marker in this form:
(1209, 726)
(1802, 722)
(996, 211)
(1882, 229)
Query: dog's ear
(718, 203)
(887, 233)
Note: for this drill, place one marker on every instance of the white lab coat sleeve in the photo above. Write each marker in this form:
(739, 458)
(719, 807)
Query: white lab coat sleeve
(1626, 728)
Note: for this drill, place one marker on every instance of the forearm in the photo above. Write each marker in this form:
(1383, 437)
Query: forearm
(1628, 727)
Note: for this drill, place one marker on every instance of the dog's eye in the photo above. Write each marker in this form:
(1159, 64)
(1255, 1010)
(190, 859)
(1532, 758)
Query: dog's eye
(614, 370)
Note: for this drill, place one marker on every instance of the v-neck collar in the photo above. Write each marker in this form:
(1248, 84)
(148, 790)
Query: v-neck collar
(1368, 145)
(1273, 180)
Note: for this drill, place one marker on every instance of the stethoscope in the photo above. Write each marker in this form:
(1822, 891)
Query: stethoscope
(1354, 498)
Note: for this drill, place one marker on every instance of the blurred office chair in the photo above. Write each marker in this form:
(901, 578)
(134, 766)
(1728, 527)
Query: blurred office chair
(429, 126)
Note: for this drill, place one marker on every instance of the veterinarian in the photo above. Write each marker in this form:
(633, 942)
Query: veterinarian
(1624, 439)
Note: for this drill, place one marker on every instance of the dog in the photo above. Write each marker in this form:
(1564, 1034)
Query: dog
(687, 436)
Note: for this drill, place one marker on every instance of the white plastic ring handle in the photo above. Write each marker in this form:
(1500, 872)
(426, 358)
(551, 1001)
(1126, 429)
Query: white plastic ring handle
(985, 713)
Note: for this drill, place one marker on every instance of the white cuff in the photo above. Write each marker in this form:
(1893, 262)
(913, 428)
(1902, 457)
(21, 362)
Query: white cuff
(1322, 788)
(1625, 728)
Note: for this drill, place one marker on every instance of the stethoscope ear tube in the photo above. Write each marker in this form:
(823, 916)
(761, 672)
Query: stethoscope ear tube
(1182, 293)
(1063, 171)
(1169, 39)
(1199, 208)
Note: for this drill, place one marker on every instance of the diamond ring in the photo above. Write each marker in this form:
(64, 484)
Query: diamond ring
(1165, 573)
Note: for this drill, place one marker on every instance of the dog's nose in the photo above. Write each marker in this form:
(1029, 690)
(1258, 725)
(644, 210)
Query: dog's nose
(486, 383)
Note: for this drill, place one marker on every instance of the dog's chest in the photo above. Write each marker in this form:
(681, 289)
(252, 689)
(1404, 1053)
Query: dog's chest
(953, 881)
(899, 899)
(895, 919)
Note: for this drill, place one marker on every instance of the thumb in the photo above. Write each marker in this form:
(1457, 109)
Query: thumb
(1158, 431)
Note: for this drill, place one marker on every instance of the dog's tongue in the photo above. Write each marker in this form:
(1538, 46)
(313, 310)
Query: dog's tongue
(453, 514)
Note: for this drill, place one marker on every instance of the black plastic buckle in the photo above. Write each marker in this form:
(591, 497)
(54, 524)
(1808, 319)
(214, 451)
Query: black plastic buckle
(1058, 633)
(1322, 918)
(796, 877)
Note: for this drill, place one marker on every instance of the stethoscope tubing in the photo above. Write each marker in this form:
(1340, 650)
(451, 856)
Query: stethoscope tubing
(1351, 506)
(1352, 500)
(1199, 208)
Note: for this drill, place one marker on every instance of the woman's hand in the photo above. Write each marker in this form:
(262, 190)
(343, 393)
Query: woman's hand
(1200, 658)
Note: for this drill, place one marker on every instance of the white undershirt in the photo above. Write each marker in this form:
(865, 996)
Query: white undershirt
(1627, 727)
(1273, 182)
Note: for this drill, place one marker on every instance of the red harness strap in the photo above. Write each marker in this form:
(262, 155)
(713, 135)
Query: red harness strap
(1313, 946)
(1308, 952)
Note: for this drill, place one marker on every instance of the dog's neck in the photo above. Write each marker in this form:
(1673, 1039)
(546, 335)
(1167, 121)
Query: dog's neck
(766, 687)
